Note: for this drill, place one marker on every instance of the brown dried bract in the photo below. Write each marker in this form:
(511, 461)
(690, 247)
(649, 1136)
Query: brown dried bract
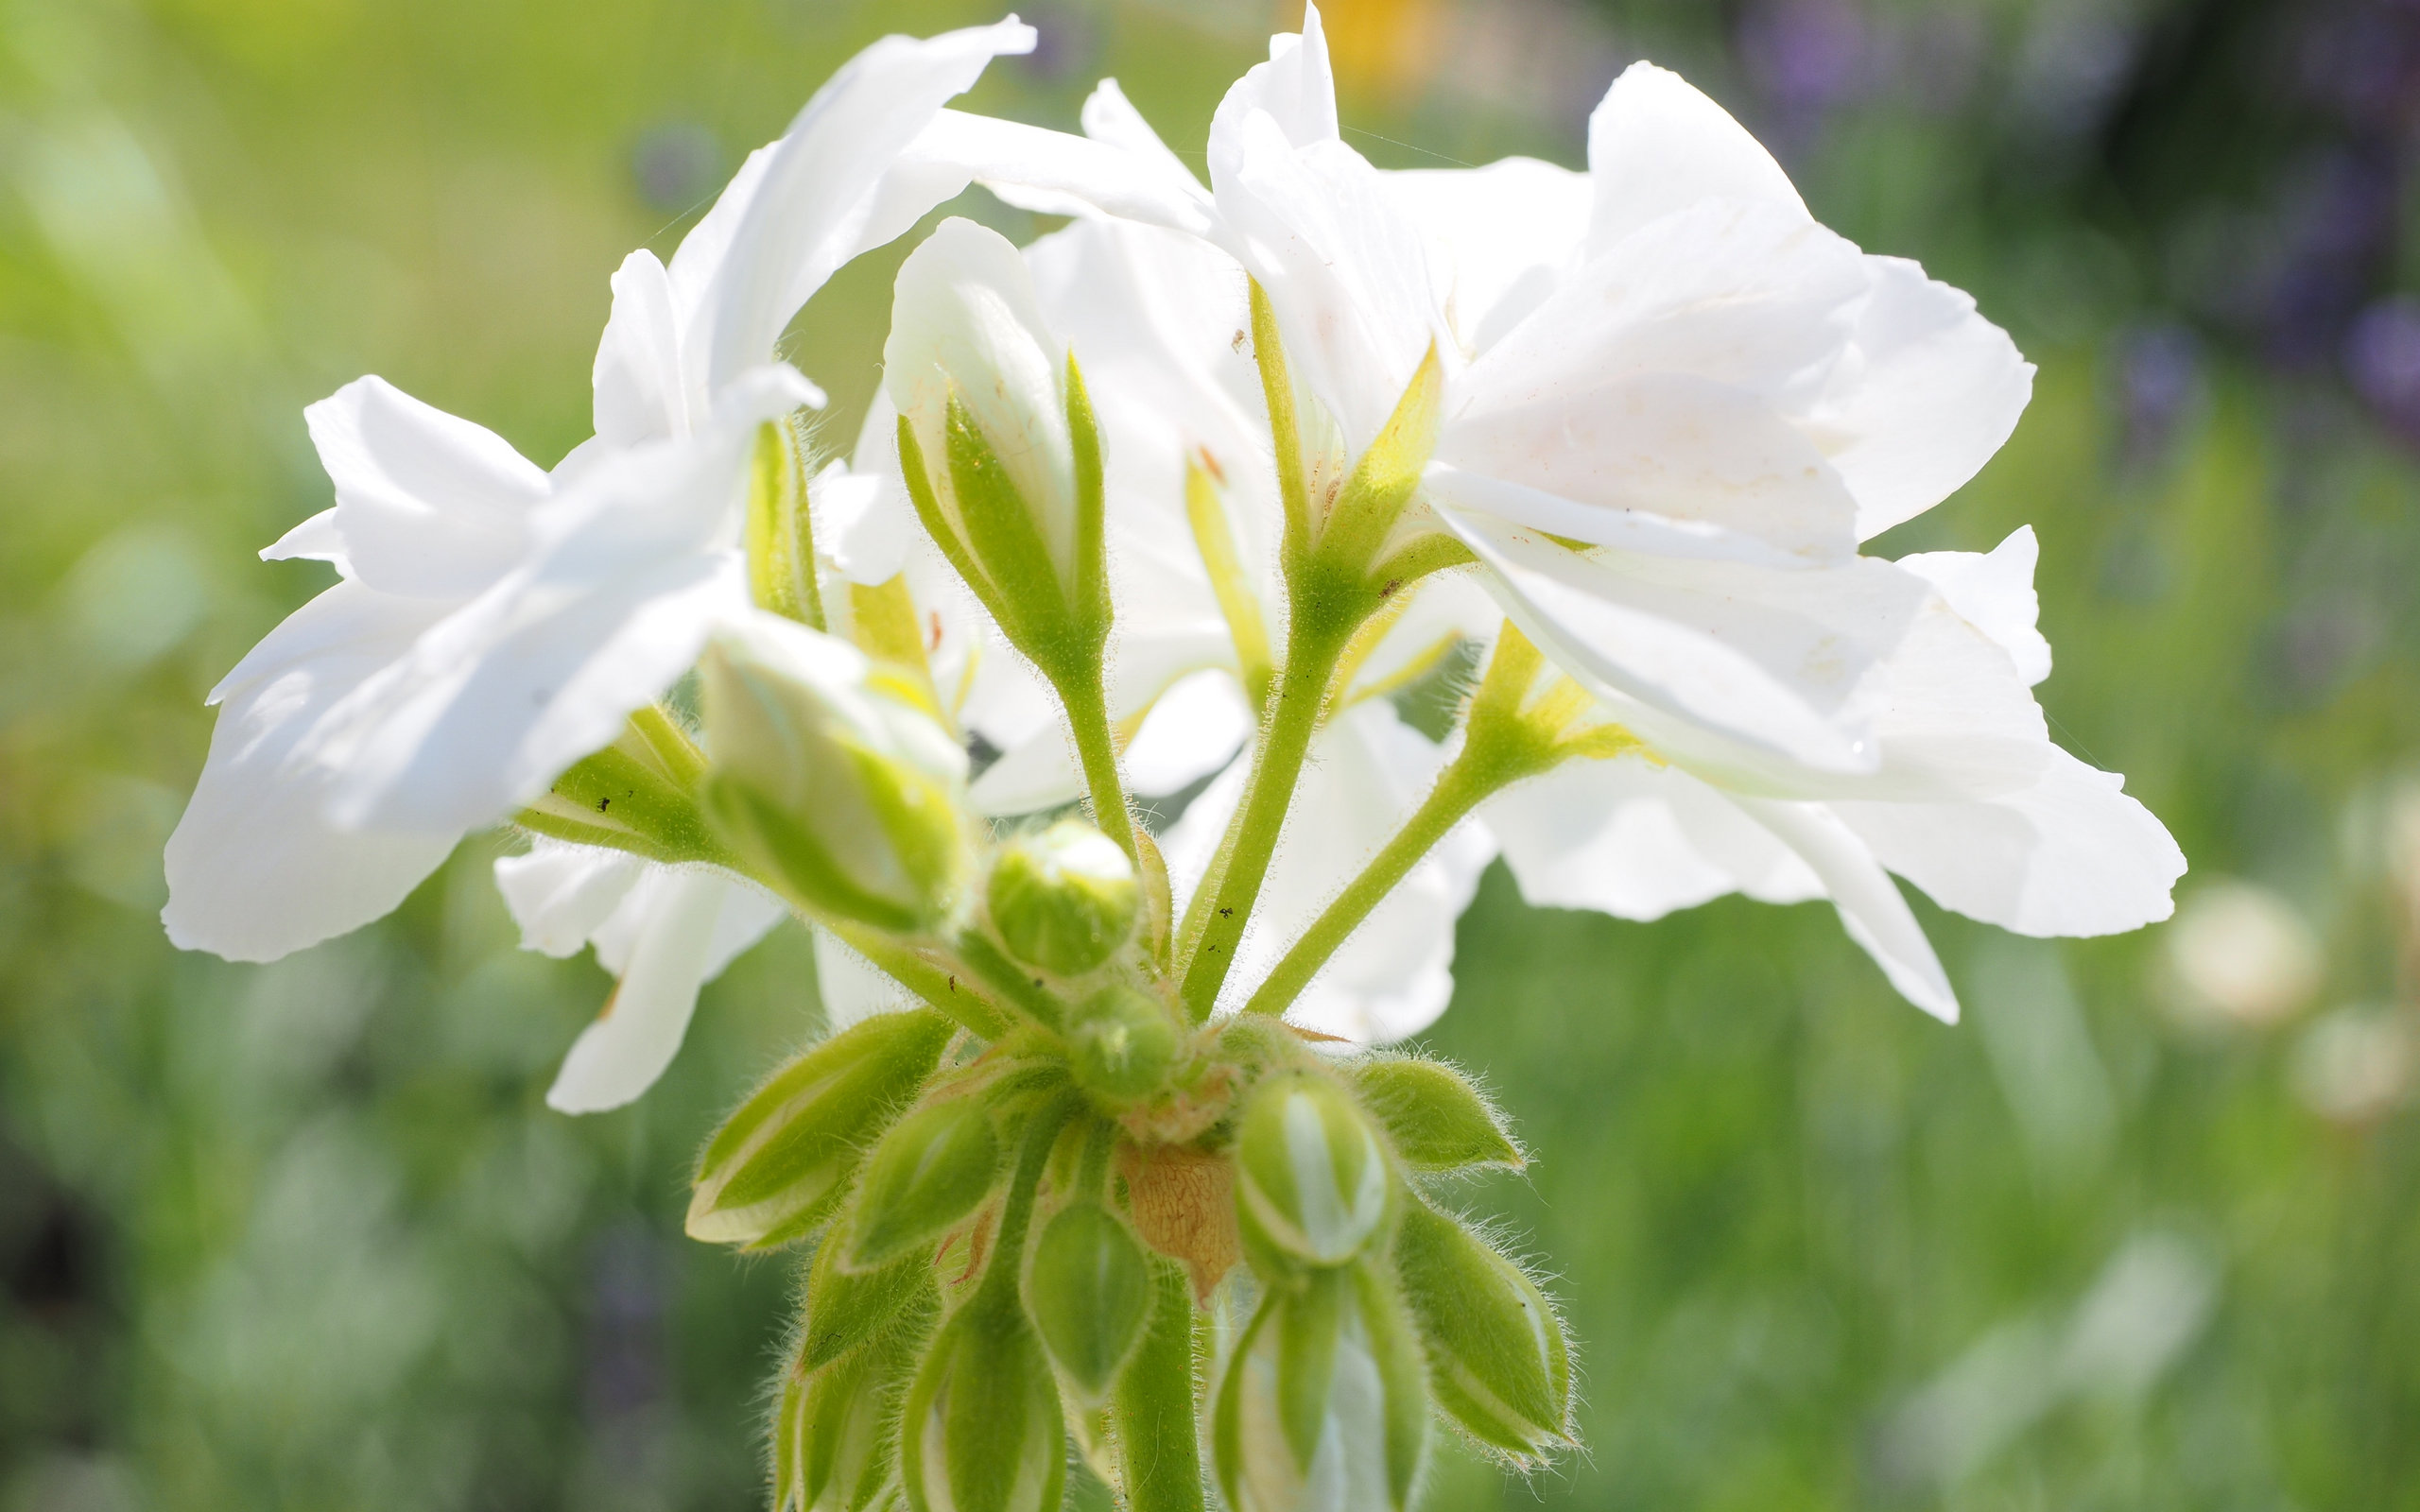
(1185, 1205)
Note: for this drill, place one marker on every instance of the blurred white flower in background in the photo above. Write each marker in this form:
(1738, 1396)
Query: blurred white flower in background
(2241, 953)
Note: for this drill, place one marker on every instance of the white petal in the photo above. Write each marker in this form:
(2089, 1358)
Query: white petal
(1036, 773)
(560, 895)
(427, 506)
(809, 210)
(1869, 902)
(1193, 729)
(315, 539)
(1637, 840)
(1668, 445)
(621, 1055)
(1296, 88)
(1655, 146)
(1506, 230)
(1994, 590)
(1053, 173)
(2071, 855)
(1742, 295)
(1345, 270)
(1458, 490)
(1929, 391)
(1774, 661)
(644, 391)
(1110, 118)
(744, 915)
(255, 869)
(639, 562)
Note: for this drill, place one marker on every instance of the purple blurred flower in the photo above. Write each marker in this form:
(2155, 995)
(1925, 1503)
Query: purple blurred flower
(2382, 360)
(2160, 380)
(1805, 55)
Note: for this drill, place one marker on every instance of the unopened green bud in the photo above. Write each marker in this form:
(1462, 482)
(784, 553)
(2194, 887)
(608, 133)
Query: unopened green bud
(1433, 1115)
(1497, 1360)
(1313, 1180)
(830, 779)
(1089, 1294)
(932, 1169)
(1066, 898)
(1121, 1045)
(780, 1165)
(982, 1431)
(846, 1308)
(996, 439)
(835, 1445)
(1324, 1403)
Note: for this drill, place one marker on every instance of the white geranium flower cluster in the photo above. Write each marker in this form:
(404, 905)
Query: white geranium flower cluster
(1171, 501)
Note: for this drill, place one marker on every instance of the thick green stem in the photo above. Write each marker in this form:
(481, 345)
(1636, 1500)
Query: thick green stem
(1222, 905)
(1000, 1282)
(1006, 977)
(1460, 789)
(943, 991)
(1154, 1416)
(1097, 747)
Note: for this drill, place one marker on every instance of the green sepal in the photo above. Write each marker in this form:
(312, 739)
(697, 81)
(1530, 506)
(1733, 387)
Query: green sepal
(1089, 1292)
(1154, 1423)
(781, 541)
(639, 794)
(1387, 473)
(1003, 534)
(1435, 1118)
(1394, 1343)
(1498, 1363)
(982, 1429)
(782, 1163)
(846, 1308)
(1308, 1326)
(785, 851)
(1311, 1173)
(933, 1168)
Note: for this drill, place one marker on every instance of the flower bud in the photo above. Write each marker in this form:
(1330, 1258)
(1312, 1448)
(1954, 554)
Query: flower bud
(1064, 900)
(845, 1308)
(933, 1168)
(1089, 1294)
(836, 1433)
(1121, 1043)
(1496, 1357)
(1322, 1405)
(1313, 1178)
(982, 1431)
(780, 1165)
(996, 441)
(830, 779)
(1433, 1115)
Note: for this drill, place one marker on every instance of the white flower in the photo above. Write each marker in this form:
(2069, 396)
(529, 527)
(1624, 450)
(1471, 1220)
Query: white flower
(1664, 359)
(1969, 800)
(495, 625)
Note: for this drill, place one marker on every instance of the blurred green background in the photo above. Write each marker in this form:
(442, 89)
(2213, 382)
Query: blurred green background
(2141, 1235)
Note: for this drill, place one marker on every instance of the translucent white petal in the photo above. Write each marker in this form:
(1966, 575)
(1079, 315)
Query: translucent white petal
(1775, 661)
(1742, 295)
(562, 894)
(1193, 729)
(625, 1049)
(1637, 840)
(315, 539)
(1296, 88)
(1668, 445)
(636, 564)
(1928, 391)
(1505, 232)
(1657, 144)
(1053, 173)
(1993, 591)
(1870, 908)
(809, 210)
(255, 869)
(643, 389)
(852, 989)
(427, 506)
(2069, 855)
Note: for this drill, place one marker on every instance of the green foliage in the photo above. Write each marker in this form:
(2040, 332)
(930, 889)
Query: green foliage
(930, 1171)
